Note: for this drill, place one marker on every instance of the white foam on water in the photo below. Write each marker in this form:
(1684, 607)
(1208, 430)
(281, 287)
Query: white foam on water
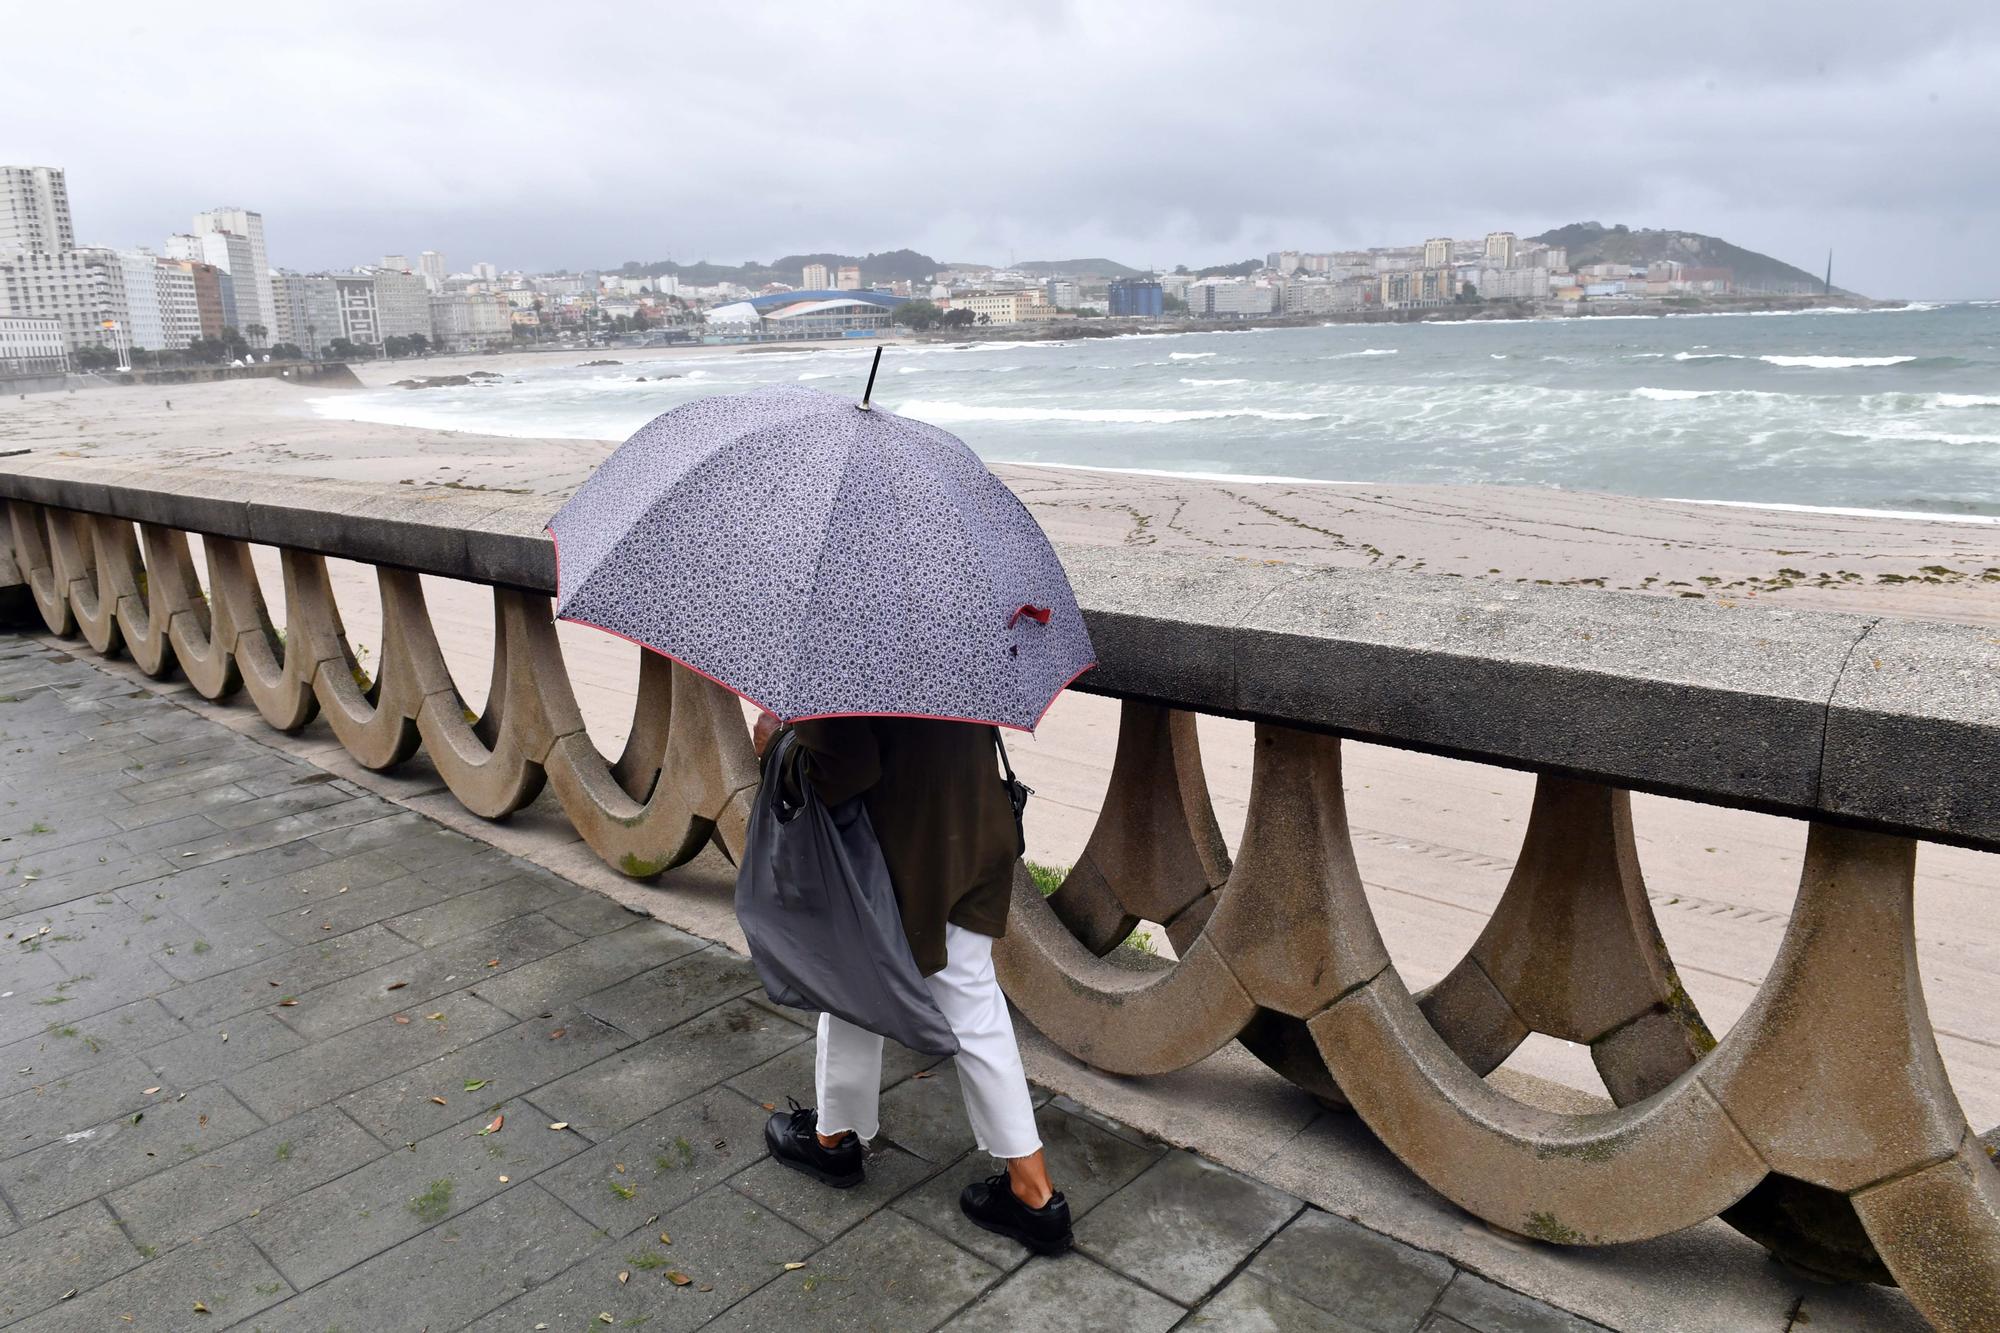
(1248, 478)
(1188, 356)
(1198, 382)
(1708, 356)
(939, 414)
(1922, 515)
(1674, 395)
(1965, 400)
(1835, 362)
(1366, 351)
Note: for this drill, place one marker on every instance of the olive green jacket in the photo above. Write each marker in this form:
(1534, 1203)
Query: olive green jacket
(933, 793)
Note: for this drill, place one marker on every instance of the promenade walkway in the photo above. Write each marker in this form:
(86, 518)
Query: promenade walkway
(278, 1053)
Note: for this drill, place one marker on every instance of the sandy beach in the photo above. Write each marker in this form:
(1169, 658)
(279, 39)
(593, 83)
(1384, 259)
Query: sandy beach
(1435, 838)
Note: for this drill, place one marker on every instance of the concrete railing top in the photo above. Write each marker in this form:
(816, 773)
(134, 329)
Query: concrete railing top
(1887, 723)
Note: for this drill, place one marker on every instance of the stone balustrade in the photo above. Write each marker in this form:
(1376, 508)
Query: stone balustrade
(1822, 1124)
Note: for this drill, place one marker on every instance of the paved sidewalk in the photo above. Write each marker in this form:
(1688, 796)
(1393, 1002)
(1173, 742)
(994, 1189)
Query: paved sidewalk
(277, 1053)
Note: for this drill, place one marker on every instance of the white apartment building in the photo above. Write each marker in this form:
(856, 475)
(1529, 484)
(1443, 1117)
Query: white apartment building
(309, 310)
(485, 272)
(1318, 297)
(232, 254)
(358, 321)
(402, 304)
(1500, 249)
(1230, 298)
(32, 346)
(431, 264)
(254, 301)
(180, 308)
(1065, 293)
(34, 211)
(1512, 284)
(471, 319)
(81, 290)
(1437, 252)
(145, 324)
(814, 278)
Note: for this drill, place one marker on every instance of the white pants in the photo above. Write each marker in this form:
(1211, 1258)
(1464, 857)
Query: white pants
(848, 1071)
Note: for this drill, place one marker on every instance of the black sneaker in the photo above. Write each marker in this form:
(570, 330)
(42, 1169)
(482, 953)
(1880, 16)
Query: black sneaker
(793, 1139)
(992, 1204)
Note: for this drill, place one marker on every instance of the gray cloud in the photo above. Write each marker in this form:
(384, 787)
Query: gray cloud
(543, 136)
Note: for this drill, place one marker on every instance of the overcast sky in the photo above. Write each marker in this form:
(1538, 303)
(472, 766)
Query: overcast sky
(543, 136)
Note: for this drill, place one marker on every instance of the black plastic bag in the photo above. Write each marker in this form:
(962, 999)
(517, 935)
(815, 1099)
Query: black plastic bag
(814, 899)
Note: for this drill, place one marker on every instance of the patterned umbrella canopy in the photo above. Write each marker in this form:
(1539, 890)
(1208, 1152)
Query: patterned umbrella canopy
(823, 559)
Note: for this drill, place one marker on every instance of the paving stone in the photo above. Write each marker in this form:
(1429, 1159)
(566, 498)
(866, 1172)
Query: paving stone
(511, 1063)
(390, 834)
(64, 1048)
(668, 1158)
(655, 1000)
(223, 1272)
(624, 1088)
(791, 1074)
(294, 972)
(725, 1245)
(1365, 1277)
(188, 951)
(204, 1195)
(589, 966)
(887, 1273)
(466, 912)
(1492, 1308)
(927, 1115)
(47, 889)
(291, 800)
(417, 979)
(1068, 1295)
(200, 1055)
(105, 1156)
(591, 914)
(1249, 1304)
(235, 842)
(51, 1109)
(403, 1192)
(129, 816)
(311, 919)
(76, 1250)
(281, 1088)
(1087, 1163)
(247, 885)
(453, 1273)
(173, 833)
(477, 867)
(1185, 1224)
(1439, 1323)
(824, 1211)
(75, 1001)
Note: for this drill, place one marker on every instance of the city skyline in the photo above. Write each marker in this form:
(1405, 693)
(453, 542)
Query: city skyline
(1149, 136)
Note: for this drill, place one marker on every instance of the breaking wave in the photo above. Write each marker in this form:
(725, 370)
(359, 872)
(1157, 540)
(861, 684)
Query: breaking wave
(940, 414)
(1835, 362)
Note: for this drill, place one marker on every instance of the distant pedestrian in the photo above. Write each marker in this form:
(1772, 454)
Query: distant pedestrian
(170, 404)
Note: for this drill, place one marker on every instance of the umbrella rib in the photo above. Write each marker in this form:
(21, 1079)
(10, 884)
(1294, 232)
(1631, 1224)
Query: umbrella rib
(819, 565)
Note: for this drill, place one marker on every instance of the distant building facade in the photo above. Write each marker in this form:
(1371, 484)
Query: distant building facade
(815, 278)
(1437, 252)
(471, 319)
(252, 276)
(849, 279)
(431, 264)
(1230, 298)
(34, 212)
(1417, 288)
(1136, 299)
(1499, 249)
(32, 347)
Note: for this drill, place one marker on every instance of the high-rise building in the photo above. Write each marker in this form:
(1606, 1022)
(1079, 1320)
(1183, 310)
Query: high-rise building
(254, 302)
(34, 212)
(234, 258)
(402, 304)
(471, 319)
(431, 264)
(358, 322)
(398, 263)
(31, 348)
(308, 311)
(814, 278)
(84, 290)
(850, 278)
(1500, 247)
(485, 272)
(145, 324)
(1437, 252)
(180, 308)
(204, 282)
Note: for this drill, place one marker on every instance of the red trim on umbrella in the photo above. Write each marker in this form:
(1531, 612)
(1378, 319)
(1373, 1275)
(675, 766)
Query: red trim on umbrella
(811, 717)
(1038, 614)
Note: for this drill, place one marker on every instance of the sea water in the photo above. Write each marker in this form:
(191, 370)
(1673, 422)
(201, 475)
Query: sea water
(1888, 410)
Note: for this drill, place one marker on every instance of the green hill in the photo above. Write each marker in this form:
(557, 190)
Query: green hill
(1595, 243)
(1080, 268)
(885, 267)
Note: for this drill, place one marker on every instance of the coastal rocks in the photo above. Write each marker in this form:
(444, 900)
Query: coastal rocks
(588, 364)
(434, 382)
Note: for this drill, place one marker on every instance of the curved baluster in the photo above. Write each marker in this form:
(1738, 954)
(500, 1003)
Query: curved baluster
(31, 553)
(125, 581)
(491, 762)
(280, 687)
(702, 785)
(198, 634)
(72, 543)
(374, 719)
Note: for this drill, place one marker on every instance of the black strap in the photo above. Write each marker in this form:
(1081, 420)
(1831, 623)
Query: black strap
(1018, 793)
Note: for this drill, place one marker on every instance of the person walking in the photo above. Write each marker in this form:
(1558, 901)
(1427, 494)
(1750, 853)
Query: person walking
(888, 604)
(948, 836)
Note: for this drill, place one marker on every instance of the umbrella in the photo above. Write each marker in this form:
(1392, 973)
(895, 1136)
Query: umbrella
(823, 559)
